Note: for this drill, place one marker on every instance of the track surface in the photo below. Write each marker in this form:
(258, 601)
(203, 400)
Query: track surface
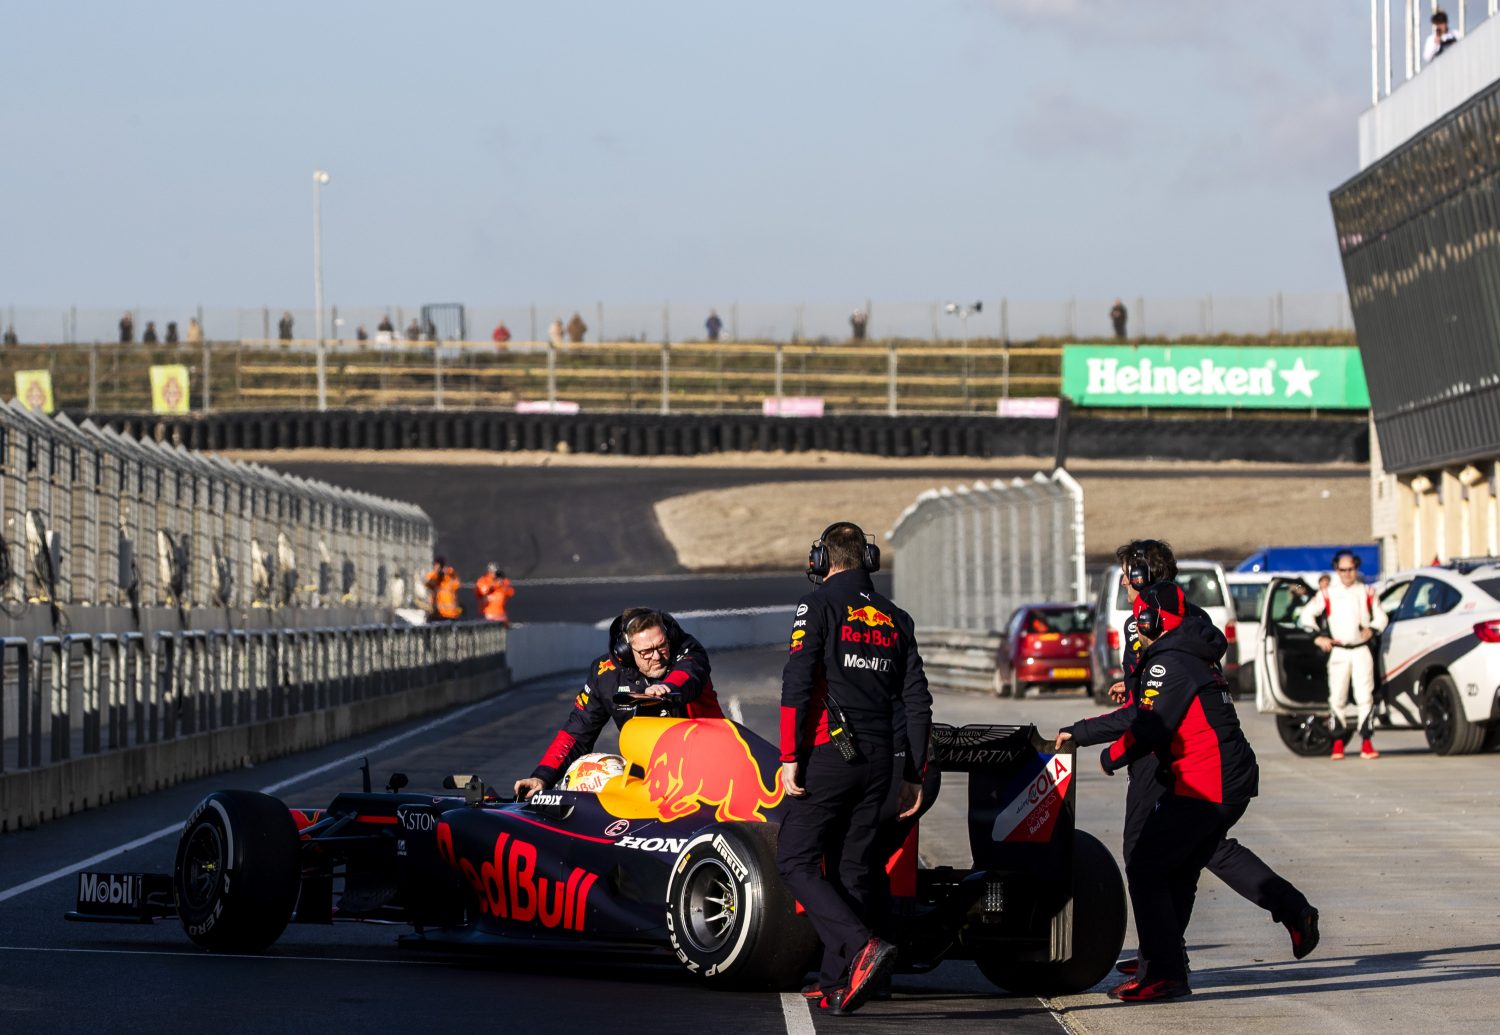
(1401, 855)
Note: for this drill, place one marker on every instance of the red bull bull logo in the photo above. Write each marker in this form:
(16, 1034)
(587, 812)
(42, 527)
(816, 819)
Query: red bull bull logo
(871, 616)
(607, 665)
(699, 762)
(796, 644)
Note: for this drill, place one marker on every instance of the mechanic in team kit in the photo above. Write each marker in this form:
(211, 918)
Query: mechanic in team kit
(1184, 714)
(1142, 562)
(853, 693)
(649, 655)
(1354, 617)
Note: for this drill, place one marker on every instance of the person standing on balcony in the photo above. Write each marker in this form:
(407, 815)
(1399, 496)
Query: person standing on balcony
(127, 328)
(284, 327)
(713, 325)
(859, 324)
(171, 338)
(555, 332)
(195, 332)
(502, 333)
(1441, 39)
(577, 329)
(1117, 316)
(149, 338)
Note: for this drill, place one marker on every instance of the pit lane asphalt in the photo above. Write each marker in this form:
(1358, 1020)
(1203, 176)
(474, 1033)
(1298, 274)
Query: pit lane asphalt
(60, 976)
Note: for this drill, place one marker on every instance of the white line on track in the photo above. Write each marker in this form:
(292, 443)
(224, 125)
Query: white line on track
(189, 954)
(735, 711)
(157, 835)
(797, 1013)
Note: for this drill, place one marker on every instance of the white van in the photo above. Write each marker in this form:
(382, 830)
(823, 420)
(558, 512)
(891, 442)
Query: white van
(1202, 582)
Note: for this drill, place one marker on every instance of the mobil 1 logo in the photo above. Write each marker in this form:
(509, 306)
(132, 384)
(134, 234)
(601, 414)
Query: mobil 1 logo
(110, 893)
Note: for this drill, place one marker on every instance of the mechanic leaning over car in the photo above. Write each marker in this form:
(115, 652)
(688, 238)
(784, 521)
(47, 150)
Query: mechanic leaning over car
(853, 694)
(1184, 714)
(650, 657)
(1354, 617)
(1142, 562)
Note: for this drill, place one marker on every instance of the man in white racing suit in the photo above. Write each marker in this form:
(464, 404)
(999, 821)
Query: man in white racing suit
(1354, 617)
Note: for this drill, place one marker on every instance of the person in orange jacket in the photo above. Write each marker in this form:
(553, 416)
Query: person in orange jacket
(442, 589)
(493, 589)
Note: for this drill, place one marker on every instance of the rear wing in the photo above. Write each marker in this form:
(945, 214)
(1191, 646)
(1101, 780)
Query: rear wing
(1021, 798)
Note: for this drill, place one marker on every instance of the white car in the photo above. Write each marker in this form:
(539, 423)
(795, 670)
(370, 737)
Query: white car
(1438, 661)
(1202, 582)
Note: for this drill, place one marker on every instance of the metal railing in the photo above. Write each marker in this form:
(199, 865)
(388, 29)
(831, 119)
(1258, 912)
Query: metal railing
(85, 694)
(92, 517)
(970, 556)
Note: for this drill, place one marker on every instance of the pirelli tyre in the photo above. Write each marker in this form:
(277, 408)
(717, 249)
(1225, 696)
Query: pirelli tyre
(237, 872)
(1448, 729)
(1305, 735)
(730, 919)
(1098, 931)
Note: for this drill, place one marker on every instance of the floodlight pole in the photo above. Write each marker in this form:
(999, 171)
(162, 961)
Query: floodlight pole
(319, 178)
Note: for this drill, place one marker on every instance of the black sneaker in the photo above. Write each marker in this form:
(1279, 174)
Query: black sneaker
(1304, 932)
(871, 966)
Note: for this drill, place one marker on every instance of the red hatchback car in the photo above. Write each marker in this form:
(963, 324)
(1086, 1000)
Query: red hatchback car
(1045, 646)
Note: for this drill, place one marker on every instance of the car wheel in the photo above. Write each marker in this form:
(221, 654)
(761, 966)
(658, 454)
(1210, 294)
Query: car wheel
(1491, 738)
(1098, 918)
(730, 918)
(1448, 729)
(1306, 735)
(237, 872)
(1002, 688)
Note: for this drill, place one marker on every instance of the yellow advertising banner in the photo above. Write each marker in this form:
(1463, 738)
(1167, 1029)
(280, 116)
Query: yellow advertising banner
(169, 389)
(34, 390)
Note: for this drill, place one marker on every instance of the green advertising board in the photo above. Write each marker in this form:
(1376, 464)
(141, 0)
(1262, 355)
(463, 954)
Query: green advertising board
(1210, 376)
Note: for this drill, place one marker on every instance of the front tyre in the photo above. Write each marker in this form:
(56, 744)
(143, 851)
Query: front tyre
(730, 918)
(1305, 735)
(1098, 931)
(237, 872)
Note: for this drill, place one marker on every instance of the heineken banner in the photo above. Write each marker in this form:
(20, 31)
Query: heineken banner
(1291, 378)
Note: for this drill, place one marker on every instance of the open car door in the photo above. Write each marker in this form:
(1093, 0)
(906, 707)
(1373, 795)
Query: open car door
(1291, 673)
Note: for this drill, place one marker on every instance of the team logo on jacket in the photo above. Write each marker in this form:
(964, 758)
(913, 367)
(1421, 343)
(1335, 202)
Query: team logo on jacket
(1148, 701)
(582, 700)
(870, 615)
(796, 643)
(607, 665)
(1158, 670)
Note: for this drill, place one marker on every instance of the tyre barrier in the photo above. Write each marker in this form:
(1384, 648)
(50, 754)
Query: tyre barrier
(1287, 440)
(100, 716)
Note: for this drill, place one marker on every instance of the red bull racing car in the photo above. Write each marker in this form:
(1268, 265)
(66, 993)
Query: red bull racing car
(676, 857)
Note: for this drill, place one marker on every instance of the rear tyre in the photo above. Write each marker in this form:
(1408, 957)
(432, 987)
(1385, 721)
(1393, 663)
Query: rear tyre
(730, 918)
(1002, 688)
(1098, 930)
(1449, 731)
(1491, 738)
(237, 872)
(1305, 735)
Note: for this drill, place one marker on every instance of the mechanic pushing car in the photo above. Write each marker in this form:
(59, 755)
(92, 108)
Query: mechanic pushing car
(1184, 714)
(852, 690)
(650, 657)
(1353, 616)
(1143, 562)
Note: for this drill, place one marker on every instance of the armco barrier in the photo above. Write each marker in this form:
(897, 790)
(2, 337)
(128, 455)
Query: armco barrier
(124, 715)
(1290, 440)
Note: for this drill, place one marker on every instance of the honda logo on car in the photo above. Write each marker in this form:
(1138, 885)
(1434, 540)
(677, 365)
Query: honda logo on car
(110, 889)
(654, 844)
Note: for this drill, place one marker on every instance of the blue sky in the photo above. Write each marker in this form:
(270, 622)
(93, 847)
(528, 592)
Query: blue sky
(504, 152)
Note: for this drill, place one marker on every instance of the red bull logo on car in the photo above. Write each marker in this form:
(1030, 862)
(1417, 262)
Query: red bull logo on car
(1035, 801)
(870, 615)
(700, 762)
(509, 888)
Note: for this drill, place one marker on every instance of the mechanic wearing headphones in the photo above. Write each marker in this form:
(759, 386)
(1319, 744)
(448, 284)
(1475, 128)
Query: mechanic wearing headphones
(650, 657)
(1184, 714)
(1354, 618)
(1142, 562)
(853, 693)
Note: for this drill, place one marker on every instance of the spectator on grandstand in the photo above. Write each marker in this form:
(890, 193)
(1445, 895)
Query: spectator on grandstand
(284, 326)
(386, 325)
(555, 331)
(502, 333)
(127, 328)
(430, 331)
(171, 338)
(1117, 315)
(149, 337)
(360, 334)
(10, 335)
(713, 325)
(1441, 39)
(413, 330)
(859, 323)
(195, 332)
(577, 329)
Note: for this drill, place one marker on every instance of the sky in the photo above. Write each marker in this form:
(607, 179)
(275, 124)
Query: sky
(499, 152)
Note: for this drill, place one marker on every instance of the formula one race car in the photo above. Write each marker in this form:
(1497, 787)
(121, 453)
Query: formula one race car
(674, 857)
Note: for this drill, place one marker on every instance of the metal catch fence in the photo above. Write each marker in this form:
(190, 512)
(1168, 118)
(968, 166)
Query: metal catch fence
(970, 556)
(83, 694)
(92, 517)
